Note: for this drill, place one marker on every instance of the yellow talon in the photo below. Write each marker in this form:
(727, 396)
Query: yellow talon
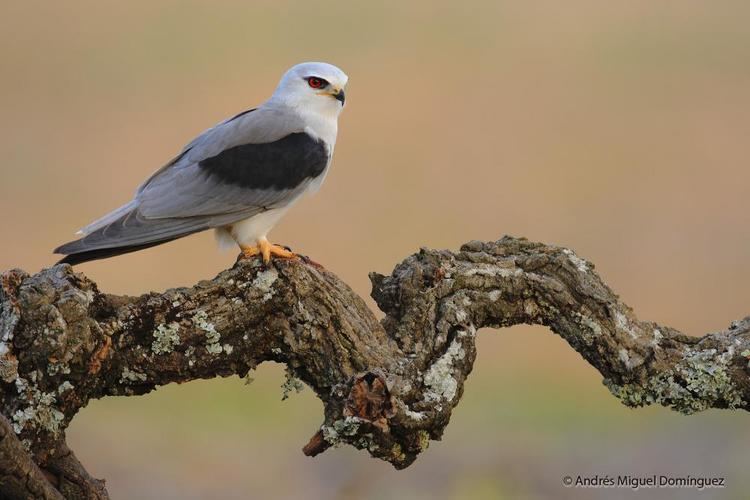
(266, 250)
(249, 252)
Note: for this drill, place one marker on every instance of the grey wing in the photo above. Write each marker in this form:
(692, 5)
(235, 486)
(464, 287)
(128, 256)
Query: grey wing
(182, 189)
(181, 198)
(189, 192)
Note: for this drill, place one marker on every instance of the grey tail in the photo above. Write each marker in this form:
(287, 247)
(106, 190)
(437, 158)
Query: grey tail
(128, 233)
(104, 253)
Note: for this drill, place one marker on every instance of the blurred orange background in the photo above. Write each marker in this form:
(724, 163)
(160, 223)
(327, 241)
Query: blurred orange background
(617, 129)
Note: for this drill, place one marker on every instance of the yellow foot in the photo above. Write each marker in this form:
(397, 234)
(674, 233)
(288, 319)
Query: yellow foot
(249, 252)
(266, 250)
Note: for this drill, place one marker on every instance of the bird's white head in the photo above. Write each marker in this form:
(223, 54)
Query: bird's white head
(312, 86)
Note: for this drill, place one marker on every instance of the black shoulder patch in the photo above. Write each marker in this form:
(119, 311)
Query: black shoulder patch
(282, 164)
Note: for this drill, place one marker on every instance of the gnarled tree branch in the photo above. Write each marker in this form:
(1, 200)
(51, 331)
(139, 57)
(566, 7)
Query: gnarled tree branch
(387, 386)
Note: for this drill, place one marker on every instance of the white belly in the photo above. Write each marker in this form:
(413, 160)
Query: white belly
(251, 230)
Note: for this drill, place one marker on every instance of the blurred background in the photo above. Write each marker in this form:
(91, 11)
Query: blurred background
(619, 129)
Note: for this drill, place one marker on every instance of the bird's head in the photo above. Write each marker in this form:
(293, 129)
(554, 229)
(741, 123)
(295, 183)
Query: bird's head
(314, 86)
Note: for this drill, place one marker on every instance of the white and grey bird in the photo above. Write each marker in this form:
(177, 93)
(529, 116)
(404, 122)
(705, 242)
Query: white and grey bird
(239, 177)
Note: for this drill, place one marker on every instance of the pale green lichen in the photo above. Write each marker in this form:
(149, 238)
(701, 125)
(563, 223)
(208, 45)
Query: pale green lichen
(200, 319)
(21, 385)
(166, 338)
(65, 386)
(414, 415)
(41, 412)
(439, 378)
(264, 282)
(330, 435)
(333, 433)
(291, 383)
(129, 376)
(20, 417)
(214, 348)
(698, 382)
(55, 368)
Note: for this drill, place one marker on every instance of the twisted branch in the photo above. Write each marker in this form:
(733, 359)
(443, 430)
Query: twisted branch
(388, 387)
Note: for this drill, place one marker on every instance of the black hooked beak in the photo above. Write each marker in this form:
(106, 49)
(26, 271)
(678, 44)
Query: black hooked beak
(340, 96)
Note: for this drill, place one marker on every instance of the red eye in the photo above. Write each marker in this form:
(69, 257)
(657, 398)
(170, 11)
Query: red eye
(316, 82)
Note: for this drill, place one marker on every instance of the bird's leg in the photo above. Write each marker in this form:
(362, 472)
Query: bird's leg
(267, 250)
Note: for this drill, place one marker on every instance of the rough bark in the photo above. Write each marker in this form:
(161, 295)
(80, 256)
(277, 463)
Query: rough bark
(387, 386)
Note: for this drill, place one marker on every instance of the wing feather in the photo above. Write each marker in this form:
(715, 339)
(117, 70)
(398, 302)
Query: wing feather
(182, 189)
